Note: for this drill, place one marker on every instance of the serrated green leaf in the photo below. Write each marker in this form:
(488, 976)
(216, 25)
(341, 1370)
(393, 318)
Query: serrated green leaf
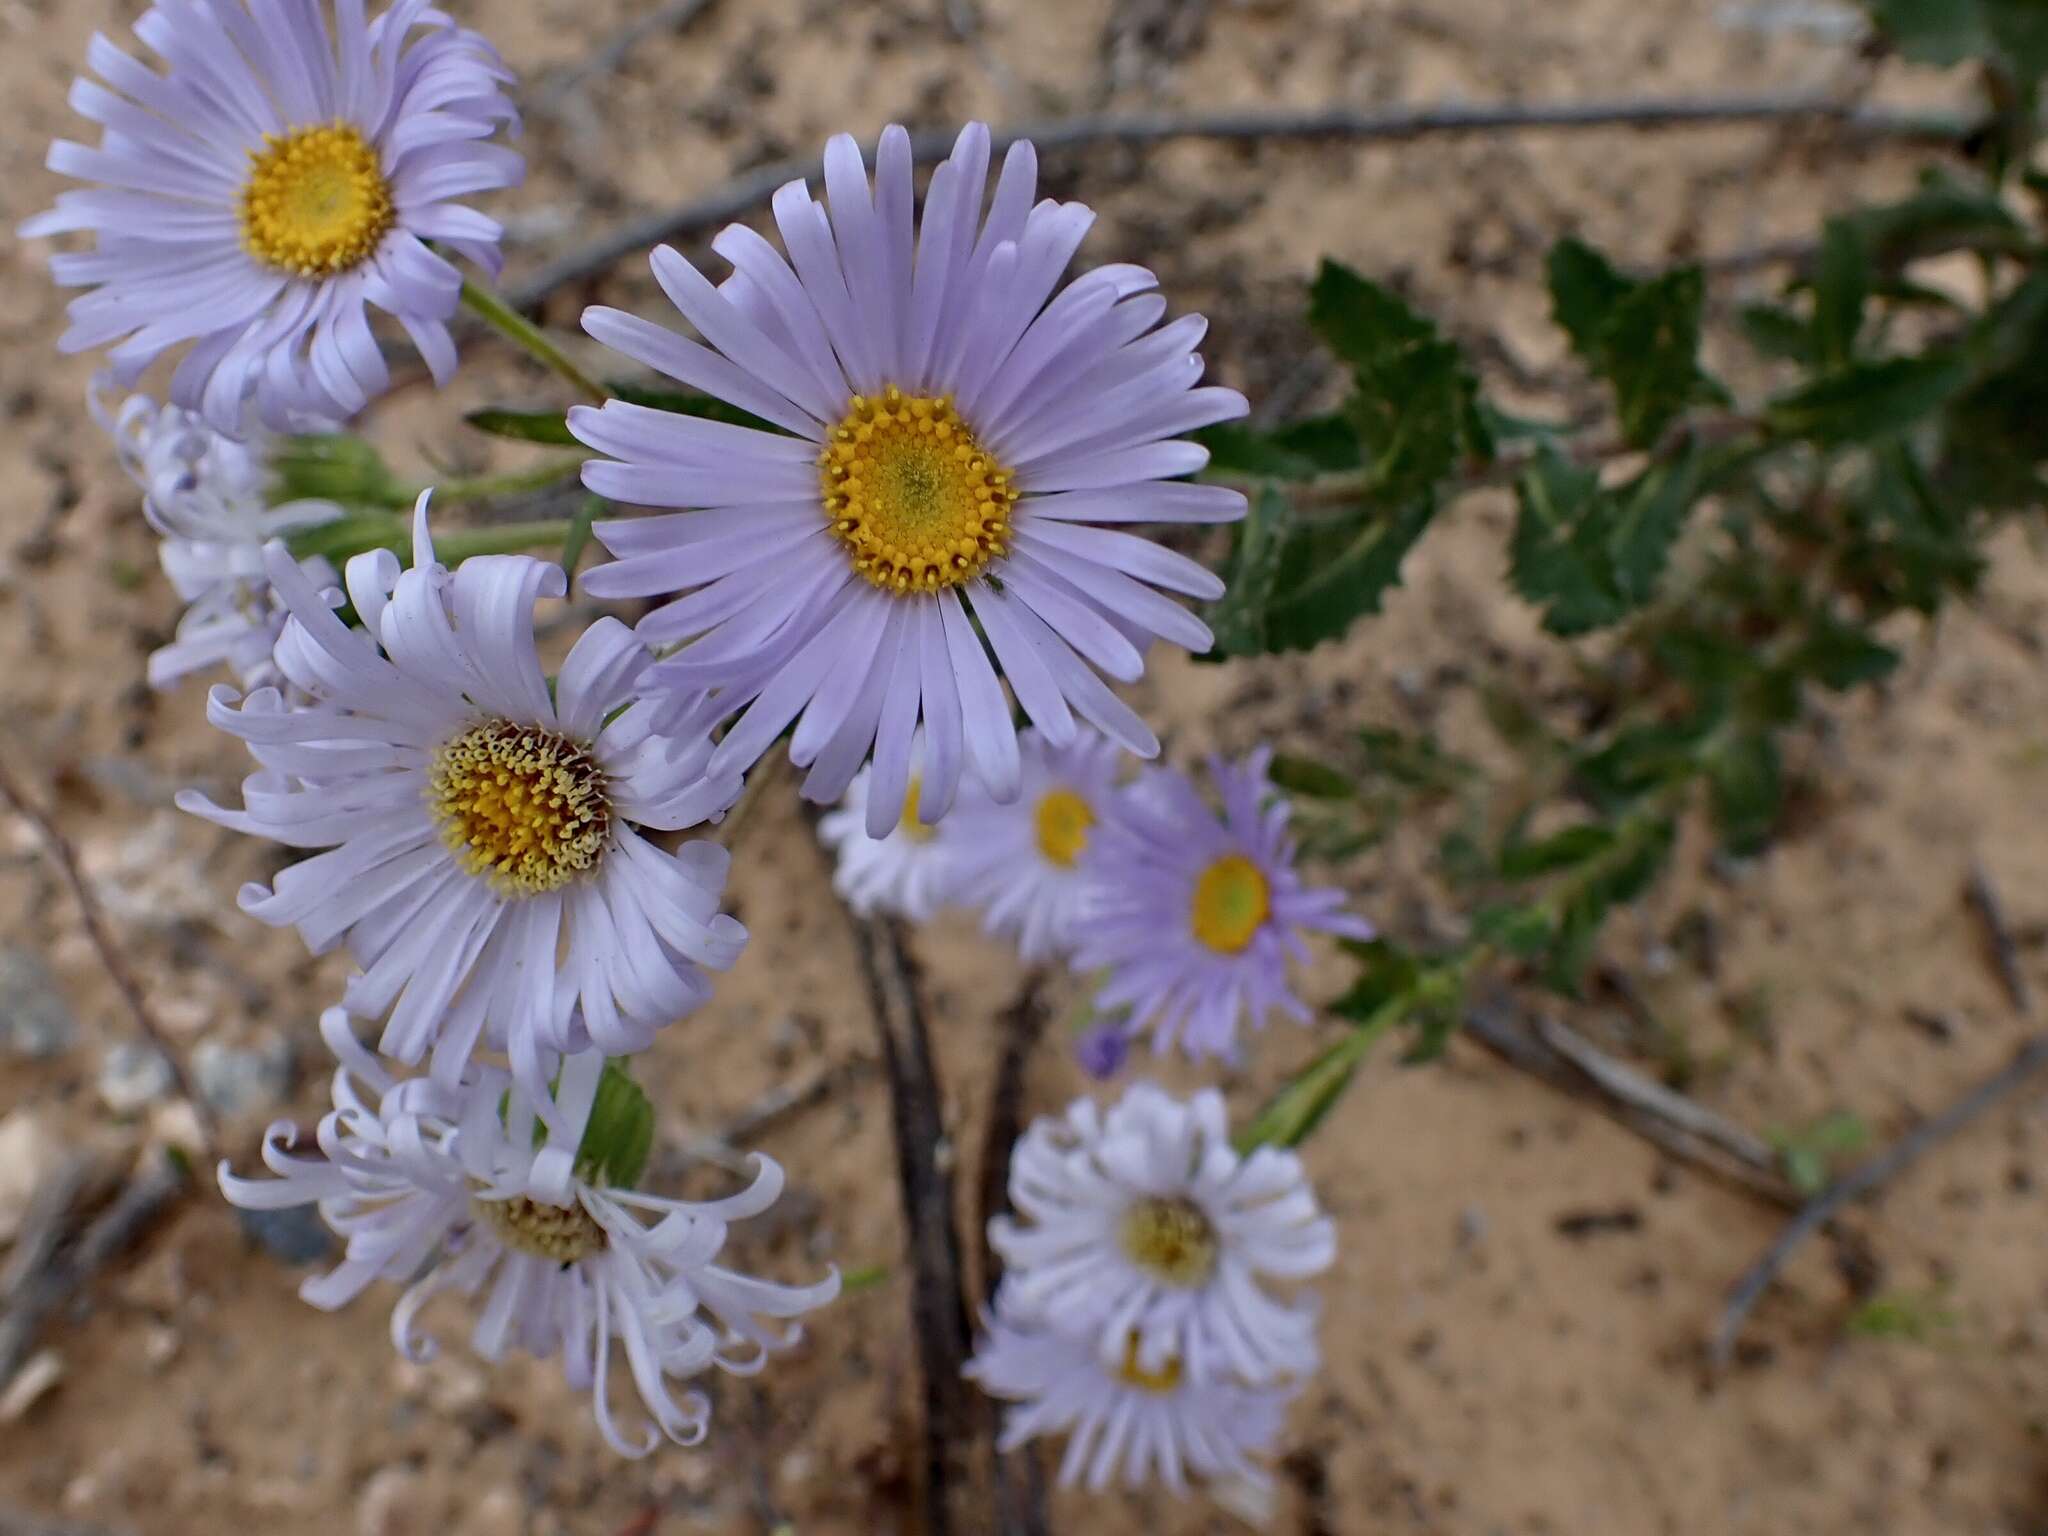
(2014, 33)
(1841, 656)
(1333, 574)
(1776, 332)
(1584, 288)
(1307, 777)
(1651, 510)
(1553, 560)
(1651, 344)
(1317, 446)
(1871, 399)
(524, 426)
(1359, 320)
(1523, 931)
(1387, 972)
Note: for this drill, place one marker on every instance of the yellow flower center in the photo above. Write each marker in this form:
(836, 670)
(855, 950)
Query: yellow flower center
(918, 503)
(316, 202)
(561, 1233)
(1165, 1379)
(1171, 1240)
(1231, 900)
(524, 808)
(1063, 821)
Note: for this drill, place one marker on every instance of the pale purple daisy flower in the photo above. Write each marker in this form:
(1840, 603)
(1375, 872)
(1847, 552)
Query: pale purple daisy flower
(952, 430)
(209, 497)
(1124, 1422)
(1145, 1228)
(486, 863)
(418, 1173)
(258, 198)
(1195, 916)
(1021, 861)
(911, 871)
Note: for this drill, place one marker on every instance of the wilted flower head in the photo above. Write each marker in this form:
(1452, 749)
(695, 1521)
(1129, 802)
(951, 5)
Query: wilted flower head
(949, 433)
(450, 1188)
(485, 858)
(253, 202)
(209, 497)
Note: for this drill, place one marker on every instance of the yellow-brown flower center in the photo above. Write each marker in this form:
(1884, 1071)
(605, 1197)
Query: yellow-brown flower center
(522, 807)
(1063, 819)
(1171, 1240)
(918, 503)
(1165, 1379)
(316, 202)
(561, 1233)
(1232, 900)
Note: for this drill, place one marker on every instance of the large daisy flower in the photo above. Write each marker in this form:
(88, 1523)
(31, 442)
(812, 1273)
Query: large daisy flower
(1021, 862)
(1125, 1421)
(911, 871)
(485, 861)
(1194, 916)
(949, 431)
(209, 497)
(417, 1173)
(1145, 1227)
(278, 180)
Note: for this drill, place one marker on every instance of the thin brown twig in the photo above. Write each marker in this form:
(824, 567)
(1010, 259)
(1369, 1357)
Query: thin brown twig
(1863, 1180)
(145, 1199)
(608, 56)
(1019, 1480)
(1352, 124)
(60, 851)
(1674, 1124)
(1983, 898)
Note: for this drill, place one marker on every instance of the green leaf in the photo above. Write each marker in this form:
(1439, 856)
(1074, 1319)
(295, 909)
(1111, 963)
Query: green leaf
(1239, 618)
(1414, 762)
(1651, 343)
(1388, 972)
(335, 466)
(1361, 321)
(525, 426)
(1557, 558)
(579, 532)
(1776, 332)
(1317, 446)
(1307, 777)
(1841, 283)
(2013, 33)
(1841, 656)
(1287, 1118)
(1567, 849)
(1748, 784)
(684, 403)
(1871, 399)
(1331, 575)
(1584, 288)
(1639, 760)
(1523, 931)
(620, 1132)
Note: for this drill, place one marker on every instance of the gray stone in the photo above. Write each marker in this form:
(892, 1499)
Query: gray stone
(295, 1236)
(235, 1081)
(133, 1077)
(34, 1020)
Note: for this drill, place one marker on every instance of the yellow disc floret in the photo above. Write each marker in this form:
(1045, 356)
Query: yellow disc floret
(1171, 1240)
(1063, 819)
(316, 202)
(561, 1233)
(1232, 900)
(523, 807)
(1163, 1380)
(918, 503)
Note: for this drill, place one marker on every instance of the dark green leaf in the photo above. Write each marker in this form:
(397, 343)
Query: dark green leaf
(1649, 513)
(1361, 321)
(1307, 777)
(1584, 288)
(525, 426)
(1871, 399)
(1843, 656)
(1557, 558)
(684, 403)
(1748, 786)
(1523, 931)
(1331, 575)
(1841, 284)
(1239, 618)
(1387, 972)
(1651, 345)
(1319, 445)
(1567, 849)
(1776, 332)
(1415, 762)
(579, 532)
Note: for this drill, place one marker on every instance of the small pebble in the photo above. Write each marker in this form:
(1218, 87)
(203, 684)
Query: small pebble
(132, 1077)
(235, 1081)
(34, 1019)
(28, 1155)
(295, 1236)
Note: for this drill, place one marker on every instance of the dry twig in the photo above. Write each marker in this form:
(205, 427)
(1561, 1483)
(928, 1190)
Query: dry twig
(147, 1197)
(1669, 1121)
(1863, 1180)
(2005, 951)
(1355, 125)
(610, 55)
(58, 847)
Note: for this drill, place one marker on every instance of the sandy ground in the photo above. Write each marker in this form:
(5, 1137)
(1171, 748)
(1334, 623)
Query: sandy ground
(1494, 1367)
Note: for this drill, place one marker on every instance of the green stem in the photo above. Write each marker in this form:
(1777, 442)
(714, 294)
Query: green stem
(527, 336)
(1288, 1117)
(514, 483)
(366, 531)
(499, 539)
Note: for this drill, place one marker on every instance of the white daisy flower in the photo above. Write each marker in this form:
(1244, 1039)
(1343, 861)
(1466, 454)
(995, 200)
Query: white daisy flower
(417, 1173)
(1146, 1229)
(486, 863)
(276, 182)
(209, 497)
(1195, 916)
(951, 432)
(1021, 862)
(910, 872)
(1124, 1421)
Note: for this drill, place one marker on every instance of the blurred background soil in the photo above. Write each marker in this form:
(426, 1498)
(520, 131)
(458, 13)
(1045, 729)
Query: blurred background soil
(1513, 1329)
